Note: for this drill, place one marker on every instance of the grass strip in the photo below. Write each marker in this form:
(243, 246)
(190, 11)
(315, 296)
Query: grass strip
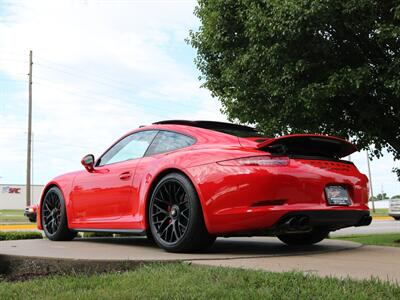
(384, 239)
(12, 216)
(183, 281)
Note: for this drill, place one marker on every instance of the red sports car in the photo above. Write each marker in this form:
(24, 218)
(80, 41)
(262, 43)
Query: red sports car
(183, 183)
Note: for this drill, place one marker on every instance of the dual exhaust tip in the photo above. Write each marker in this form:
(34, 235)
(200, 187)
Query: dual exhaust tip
(365, 221)
(297, 224)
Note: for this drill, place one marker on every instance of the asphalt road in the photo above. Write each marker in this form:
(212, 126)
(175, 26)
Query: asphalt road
(377, 226)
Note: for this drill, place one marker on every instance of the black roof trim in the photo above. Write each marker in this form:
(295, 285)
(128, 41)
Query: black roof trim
(207, 124)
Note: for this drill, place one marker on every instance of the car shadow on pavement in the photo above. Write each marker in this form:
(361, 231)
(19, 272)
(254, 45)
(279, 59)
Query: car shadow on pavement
(238, 246)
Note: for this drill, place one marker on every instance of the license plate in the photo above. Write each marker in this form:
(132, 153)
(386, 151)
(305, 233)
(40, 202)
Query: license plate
(337, 195)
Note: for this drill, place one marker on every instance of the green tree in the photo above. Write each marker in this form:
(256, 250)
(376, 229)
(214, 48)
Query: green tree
(396, 197)
(382, 196)
(325, 66)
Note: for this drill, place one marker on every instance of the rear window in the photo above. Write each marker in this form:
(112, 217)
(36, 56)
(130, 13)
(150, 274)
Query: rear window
(166, 141)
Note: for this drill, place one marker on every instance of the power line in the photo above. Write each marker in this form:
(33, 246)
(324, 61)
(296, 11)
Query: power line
(118, 85)
(121, 86)
(90, 78)
(119, 99)
(40, 141)
(80, 72)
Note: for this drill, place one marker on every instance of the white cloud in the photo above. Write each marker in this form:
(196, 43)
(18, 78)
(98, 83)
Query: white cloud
(101, 68)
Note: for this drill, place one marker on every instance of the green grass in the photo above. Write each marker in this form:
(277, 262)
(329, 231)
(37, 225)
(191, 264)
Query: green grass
(385, 239)
(379, 212)
(19, 235)
(182, 281)
(12, 216)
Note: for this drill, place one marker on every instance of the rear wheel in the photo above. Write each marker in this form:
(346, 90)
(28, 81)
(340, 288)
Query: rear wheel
(175, 217)
(54, 216)
(309, 238)
(397, 218)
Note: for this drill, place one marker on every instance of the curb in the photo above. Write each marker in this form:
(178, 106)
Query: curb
(14, 268)
(386, 218)
(18, 227)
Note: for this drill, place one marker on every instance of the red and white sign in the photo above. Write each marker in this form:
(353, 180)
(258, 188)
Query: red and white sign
(11, 190)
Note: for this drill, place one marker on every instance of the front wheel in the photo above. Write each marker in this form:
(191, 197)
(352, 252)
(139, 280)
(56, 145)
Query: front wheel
(54, 216)
(397, 218)
(175, 216)
(309, 238)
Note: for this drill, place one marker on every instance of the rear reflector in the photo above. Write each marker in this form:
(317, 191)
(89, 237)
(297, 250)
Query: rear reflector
(264, 160)
(270, 202)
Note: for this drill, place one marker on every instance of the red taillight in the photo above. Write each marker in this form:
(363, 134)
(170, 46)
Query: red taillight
(264, 160)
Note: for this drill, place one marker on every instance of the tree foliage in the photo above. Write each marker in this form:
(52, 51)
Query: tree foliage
(325, 66)
(383, 196)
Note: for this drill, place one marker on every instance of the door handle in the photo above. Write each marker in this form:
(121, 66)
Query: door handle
(125, 175)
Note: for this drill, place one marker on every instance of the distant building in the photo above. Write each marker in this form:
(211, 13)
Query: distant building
(13, 196)
(379, 204)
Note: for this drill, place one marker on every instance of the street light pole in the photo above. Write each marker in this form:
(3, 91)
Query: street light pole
(370, 183)
(29, 148)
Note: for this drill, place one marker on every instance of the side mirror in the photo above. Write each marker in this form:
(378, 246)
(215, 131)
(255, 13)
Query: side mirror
(88, 162)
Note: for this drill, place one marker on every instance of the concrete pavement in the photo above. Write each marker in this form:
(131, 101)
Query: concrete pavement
(140, 249)
(328, 258)
(361, 263)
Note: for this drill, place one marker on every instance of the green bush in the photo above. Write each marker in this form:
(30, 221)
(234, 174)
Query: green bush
(19, 235)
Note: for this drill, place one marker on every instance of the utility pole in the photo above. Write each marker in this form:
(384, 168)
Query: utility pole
(29, 148)
(370, 183)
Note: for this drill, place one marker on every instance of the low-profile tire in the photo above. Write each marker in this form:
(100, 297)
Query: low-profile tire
(175, 216)
(309, 238)
(54, 217)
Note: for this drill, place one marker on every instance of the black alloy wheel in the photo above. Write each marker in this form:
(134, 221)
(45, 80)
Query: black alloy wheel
(175, 216)
(170, 211)
(54, 217)
(51, 212)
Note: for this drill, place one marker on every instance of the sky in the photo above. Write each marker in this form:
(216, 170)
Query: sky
(100, 69)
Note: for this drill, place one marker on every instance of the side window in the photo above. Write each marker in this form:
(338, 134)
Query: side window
(130, 147)
(168, 141)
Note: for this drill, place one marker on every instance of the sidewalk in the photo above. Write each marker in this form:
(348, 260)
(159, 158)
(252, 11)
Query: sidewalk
(363, 263)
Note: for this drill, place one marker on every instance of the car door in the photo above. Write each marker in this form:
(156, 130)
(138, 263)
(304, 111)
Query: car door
(101, 197)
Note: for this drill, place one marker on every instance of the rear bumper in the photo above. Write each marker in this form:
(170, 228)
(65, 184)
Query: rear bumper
(329, 220)
(322, 219)
(273, 222)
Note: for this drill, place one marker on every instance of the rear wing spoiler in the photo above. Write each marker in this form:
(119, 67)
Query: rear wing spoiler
(308, 145)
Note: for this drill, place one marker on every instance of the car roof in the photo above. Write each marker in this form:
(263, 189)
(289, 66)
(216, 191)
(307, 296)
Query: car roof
(223, 127)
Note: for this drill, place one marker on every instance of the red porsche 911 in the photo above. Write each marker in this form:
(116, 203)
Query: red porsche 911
(184, 183)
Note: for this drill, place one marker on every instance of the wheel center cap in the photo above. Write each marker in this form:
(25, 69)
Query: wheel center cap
(174, 211)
